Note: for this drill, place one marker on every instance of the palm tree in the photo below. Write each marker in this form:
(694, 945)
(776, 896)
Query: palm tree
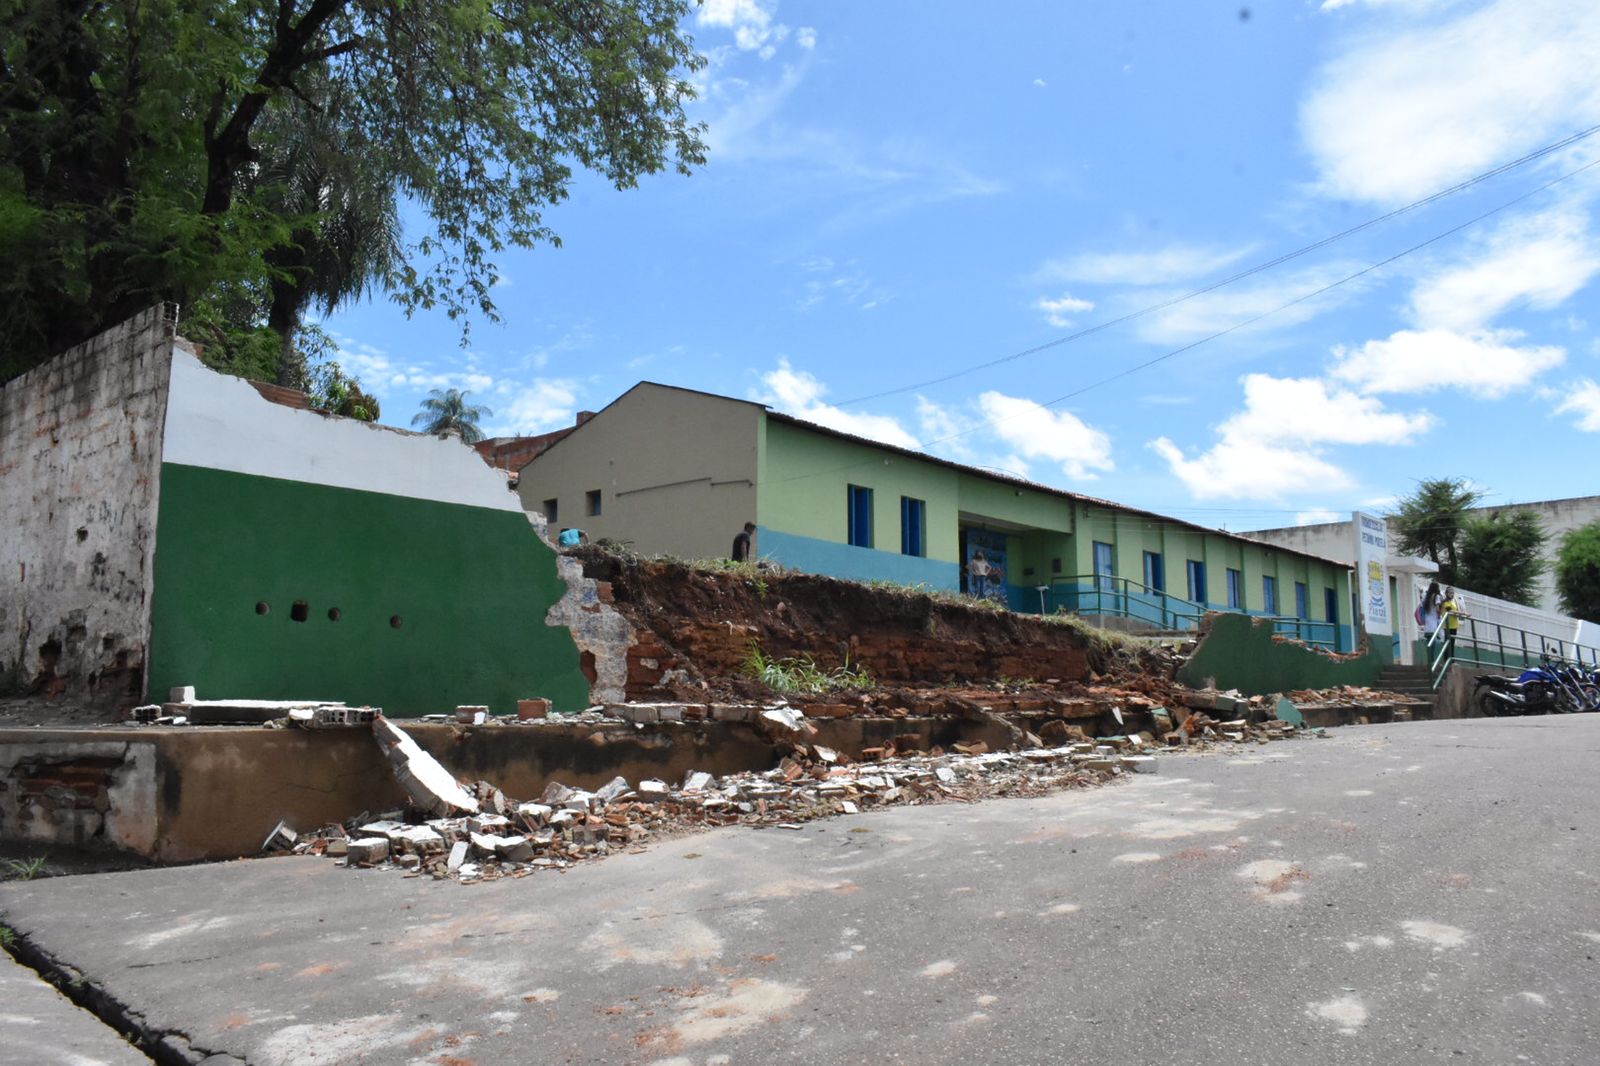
(448, 409)
(346, 233)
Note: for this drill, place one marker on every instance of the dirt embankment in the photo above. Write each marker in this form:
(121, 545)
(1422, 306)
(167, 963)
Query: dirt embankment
(698, 626)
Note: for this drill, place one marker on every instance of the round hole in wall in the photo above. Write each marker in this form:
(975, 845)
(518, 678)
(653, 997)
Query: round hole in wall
(395, 621)
(300, 611)
(263, 607)
(334, 614)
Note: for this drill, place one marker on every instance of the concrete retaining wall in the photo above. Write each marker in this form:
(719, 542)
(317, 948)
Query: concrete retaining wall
(185, 794)
(1239, 652)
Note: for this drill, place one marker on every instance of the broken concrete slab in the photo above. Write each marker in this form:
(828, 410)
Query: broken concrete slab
(429, 784)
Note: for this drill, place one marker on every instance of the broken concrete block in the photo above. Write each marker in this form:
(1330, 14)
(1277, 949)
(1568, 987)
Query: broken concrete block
(458, 855)
(653, 790)
(514, 849)
(337, 846)
(485, 844)
(146, 714)
(408, 861)
(282, 838)
(181, 694)
(366, 850)
(696, 781)
(534, 812)
(488, 823)
(429, 784)
(532, 710)
(612, 789)
(421, 840)
(785, 722)
(555, 794)
(1140, 764)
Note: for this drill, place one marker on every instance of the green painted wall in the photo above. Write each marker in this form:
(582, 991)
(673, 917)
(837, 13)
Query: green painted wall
(804, 480)
(1239, 654)
(470, 584)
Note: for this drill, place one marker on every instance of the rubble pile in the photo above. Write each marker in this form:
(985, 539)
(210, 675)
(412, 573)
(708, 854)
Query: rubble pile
(1347, 695)
(478, 833)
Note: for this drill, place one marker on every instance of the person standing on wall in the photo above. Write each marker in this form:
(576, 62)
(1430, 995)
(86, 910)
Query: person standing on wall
(741, 543)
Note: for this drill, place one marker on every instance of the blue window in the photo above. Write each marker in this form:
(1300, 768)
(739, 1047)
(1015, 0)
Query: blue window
(1269, 594)
(1197, 581)
(1235, 589)
(1105, 569)
(1302, 600)
(913, 519)
(1330, 605)
(860, 516)
(1155, 572)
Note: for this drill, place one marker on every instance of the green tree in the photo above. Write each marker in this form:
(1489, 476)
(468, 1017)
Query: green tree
(1502, 555)
(448, 409)
(346, 230)
(130, 129)
(1578, 572)
(1428, 523)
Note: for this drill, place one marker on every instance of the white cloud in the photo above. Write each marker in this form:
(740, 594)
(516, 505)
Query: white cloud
(1315, 517)
(1484, 363)
(1275, 444)
(1583, 400)
(1542, 259)
(1040, 83)
(806, 37)
(1057, 310)
(800, 394)
(750, 21)
(1157, 266)
(538, 406)
(1308, 411)
(1403, 114)
(1251, 469)
(946, 431)
(1213, 312)
(1035, 432)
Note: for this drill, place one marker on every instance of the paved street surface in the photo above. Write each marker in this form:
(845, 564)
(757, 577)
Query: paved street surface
(1391, 894)
(39, 1025)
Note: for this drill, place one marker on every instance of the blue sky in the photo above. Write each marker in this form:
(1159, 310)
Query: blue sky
(897, 192)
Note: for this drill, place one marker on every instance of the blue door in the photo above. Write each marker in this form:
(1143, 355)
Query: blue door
(1197, 581)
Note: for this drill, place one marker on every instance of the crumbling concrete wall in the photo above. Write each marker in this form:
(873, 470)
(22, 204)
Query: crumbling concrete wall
(80, 454)
(73, 790)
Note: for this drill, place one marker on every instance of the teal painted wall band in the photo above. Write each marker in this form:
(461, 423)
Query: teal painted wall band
(857, 564)
(469, 587)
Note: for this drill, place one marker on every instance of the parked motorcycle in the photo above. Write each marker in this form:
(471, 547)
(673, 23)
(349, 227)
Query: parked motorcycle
(1578, 691)
(1497, 696)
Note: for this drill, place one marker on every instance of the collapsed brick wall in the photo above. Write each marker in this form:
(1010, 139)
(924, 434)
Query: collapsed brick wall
(696, 626)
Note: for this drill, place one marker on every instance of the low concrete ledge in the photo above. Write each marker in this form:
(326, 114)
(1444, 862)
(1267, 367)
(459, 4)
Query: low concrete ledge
(180, 794)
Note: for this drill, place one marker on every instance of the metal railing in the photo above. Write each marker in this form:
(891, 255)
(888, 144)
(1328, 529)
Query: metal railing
(1499, 647)
(1123, 597)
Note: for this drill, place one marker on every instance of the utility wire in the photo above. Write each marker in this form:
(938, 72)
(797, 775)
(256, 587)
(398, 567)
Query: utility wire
(1241, 275)
(1302, 298)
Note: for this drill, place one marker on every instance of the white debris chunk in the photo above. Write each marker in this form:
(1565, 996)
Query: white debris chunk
(429, 784)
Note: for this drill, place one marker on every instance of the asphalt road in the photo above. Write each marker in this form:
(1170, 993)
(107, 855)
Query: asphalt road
(1409, 893)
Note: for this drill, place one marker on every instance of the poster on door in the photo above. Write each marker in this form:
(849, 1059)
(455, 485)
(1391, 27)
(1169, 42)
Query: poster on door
(984, 571)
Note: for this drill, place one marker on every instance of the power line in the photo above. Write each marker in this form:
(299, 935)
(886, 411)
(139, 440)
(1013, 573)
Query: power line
(1248, 272)
(1237, 325)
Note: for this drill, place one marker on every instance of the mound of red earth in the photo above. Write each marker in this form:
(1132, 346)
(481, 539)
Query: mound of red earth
(698, 627)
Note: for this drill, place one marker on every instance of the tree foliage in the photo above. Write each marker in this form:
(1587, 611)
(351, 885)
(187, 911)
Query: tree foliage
(447, 410)
(131, 132)
(1428, 523)
(1578, 572)
(1501, 555)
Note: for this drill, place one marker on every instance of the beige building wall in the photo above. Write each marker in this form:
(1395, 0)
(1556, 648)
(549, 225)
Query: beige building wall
(675, 471)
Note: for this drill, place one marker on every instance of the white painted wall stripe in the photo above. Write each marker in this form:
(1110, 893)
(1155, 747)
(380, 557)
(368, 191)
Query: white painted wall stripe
(221, 423)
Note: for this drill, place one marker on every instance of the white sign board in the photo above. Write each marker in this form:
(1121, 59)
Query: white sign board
(1372, 575)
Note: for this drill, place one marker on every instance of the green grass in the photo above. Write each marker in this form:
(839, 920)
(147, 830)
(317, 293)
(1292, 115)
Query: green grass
(23, 869)
(8, 936)
(802, 676)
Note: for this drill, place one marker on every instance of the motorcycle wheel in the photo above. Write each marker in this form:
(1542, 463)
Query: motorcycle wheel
(1591, 697)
